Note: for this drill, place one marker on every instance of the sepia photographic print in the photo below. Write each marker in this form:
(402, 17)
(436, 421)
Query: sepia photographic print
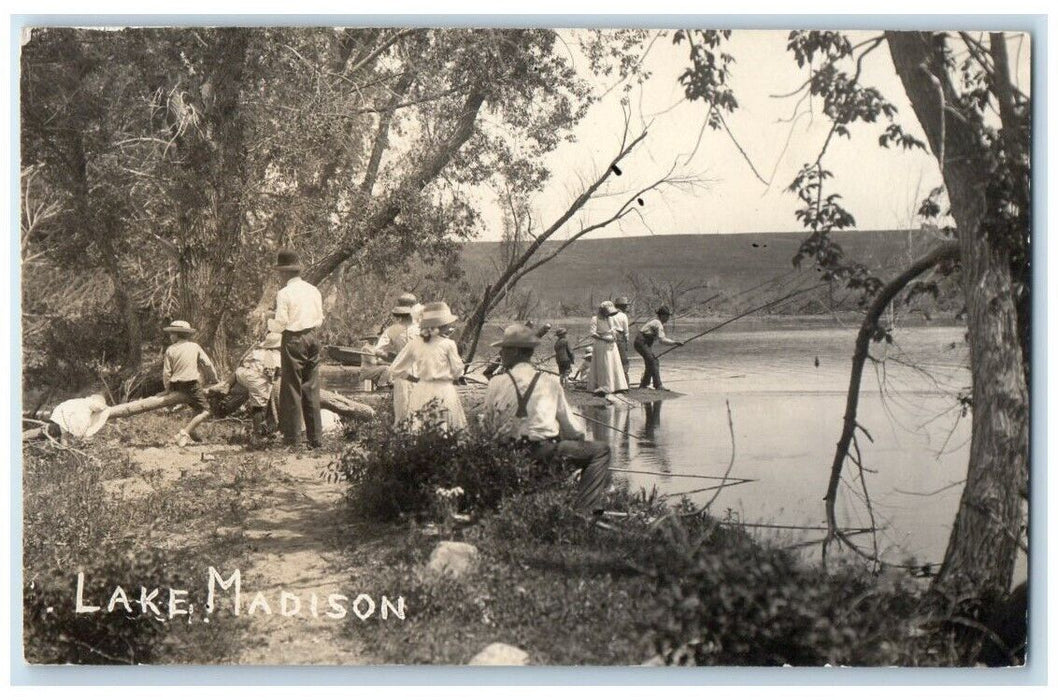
(354, 346)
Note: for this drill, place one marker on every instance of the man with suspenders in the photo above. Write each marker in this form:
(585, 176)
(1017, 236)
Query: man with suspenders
(528, 409)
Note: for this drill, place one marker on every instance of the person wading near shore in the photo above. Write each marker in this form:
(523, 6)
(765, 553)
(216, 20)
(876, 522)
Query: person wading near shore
(527, 409)
(185, 368)
(619, 323)
(299, 312)
(653, 331)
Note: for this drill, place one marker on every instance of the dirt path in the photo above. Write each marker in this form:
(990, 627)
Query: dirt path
(295, 547)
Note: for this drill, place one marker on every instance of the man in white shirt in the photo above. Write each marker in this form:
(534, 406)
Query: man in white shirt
(299, 312)
(619, 323)
(651, 331)
(526, 407)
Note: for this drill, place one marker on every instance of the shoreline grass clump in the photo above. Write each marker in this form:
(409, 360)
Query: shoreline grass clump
(394, 474)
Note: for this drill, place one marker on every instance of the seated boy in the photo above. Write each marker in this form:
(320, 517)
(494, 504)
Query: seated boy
(258, 374)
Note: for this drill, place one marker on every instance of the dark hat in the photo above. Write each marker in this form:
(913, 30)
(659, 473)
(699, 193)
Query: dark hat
(663, 311)
(560, 331)
(288, 260)
(405, 302)
(621, 301)
(517, 335)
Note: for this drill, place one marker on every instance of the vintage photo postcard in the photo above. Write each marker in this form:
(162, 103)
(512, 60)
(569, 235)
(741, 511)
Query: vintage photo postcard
(502, 346)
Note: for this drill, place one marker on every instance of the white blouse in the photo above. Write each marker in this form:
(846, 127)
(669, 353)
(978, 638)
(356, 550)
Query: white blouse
(433, 361)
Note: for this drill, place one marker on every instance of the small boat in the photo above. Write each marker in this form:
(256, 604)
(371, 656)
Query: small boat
(346, 355)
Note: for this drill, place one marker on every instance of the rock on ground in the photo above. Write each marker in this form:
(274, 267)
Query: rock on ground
(452, 559)
(500, 654)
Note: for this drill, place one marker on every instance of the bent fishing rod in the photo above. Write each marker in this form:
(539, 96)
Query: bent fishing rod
(755, 309)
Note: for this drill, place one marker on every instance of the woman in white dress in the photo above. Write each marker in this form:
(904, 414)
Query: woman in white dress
(394, 339)
(607, 374)
(432, 363)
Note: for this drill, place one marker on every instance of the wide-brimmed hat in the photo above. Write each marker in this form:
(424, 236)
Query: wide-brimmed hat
(517, 335)
(608, 308)
(288, 260)
(272, 341)
(405, 304)
(436, 314)
(663, 311)
(621, 301)
(179, 327)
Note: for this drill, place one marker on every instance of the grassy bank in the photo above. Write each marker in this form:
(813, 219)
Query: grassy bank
(659, 585)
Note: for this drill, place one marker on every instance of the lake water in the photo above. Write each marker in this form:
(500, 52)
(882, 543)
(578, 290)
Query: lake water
(786, 383)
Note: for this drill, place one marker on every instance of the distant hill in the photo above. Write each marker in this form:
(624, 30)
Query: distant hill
(594, 269)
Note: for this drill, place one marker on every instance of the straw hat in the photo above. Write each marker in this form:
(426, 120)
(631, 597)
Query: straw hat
(405, 304)
(607, 308)
(517, 335)
(272, 341)
(437, 314)
(179, 327)
(288, 260)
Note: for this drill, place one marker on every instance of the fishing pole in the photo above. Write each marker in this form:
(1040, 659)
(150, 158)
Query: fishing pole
(732, 481)
(680, 476)
(755, 309)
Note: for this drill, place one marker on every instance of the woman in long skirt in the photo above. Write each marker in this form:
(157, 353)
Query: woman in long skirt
(432, 363)
(607, 374)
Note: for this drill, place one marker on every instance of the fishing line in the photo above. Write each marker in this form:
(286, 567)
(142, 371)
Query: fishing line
(731, 481)
(755, 309)
(679, 475)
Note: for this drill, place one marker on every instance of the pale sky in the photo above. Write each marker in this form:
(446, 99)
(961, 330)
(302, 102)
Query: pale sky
(881, 187)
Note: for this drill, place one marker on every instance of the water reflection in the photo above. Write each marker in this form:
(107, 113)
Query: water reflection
(630, 437)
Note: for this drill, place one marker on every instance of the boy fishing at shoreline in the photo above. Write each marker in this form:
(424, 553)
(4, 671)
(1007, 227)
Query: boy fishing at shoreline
(185, 367)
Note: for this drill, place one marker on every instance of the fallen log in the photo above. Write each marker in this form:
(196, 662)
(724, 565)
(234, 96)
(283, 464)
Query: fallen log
(345, 407)
(330, 400)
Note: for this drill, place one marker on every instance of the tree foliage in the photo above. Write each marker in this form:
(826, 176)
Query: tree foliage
(180, 159)
(978, 127)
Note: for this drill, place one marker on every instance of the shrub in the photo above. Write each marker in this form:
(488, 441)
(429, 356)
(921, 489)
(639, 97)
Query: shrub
(55, 633)
(740, 606)
(725, 599)
(394, 473)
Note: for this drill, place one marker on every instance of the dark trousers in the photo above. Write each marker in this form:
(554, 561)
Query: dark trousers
(592, 458)
(651, 365)
(299, 395)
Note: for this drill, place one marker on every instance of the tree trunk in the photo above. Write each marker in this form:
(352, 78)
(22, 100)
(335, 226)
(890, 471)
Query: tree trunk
(981, 551)
(208, 267)
(385, 214)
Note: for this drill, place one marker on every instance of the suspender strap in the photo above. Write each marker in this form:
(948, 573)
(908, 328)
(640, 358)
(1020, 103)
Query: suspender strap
(523, 399)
